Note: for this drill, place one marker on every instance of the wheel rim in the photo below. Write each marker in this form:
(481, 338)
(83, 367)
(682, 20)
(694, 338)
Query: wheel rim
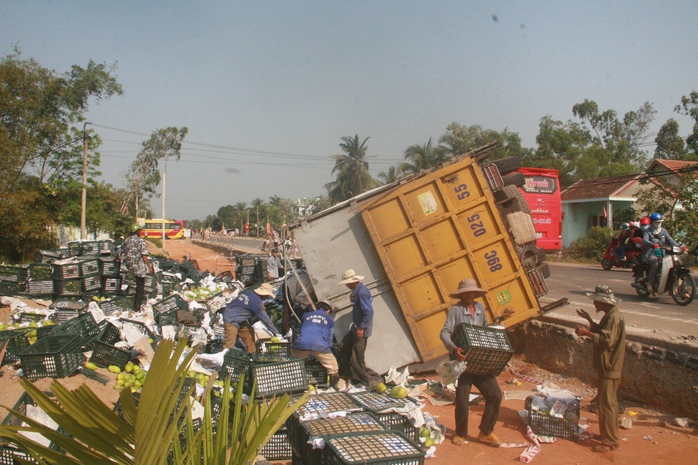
(606, 264)
(683, 290)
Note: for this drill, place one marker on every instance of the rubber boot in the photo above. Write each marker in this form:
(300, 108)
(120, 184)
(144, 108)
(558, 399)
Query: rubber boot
(334, 382)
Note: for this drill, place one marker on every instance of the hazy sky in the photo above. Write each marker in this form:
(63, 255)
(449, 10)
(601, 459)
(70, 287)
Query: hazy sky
(269, 88)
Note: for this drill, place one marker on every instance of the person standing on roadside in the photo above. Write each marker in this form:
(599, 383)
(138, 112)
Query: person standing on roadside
(608, 336)
(273, 265)
(316, 337)
(473, 313)
(238, 312)
(133, 255)
(352, 349)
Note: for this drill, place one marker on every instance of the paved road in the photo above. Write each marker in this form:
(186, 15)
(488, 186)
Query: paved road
(660, 317)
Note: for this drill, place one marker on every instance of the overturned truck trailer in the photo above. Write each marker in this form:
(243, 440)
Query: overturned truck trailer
(414, 241)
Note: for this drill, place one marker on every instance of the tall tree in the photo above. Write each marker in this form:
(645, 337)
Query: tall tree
(689, 107)
(144, 174)
(41, 146)
(670, 145)
(459, 140)
(423, 157)
(351, 168)
(393, 174)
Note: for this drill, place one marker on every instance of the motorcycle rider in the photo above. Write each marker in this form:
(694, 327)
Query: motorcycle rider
(654, 237)
(623, 238)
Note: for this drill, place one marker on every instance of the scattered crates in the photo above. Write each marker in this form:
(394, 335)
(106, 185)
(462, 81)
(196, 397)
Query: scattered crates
(272, 375)
(110, 284)
(66, 271)
(372, 448)
(279, 349)
(68, 304)
(13, 288)
(317, 374)
(16, 342)
(47, 256)
(52, 356)
(104, 353)
(140, 326)
(32, 316)
(543, 423)
(487, 350)
(89, 268)
(91, 283)
(13, 273)
(68, 287)
(383, 406)
(171, 303)
(357, 422)
(89, 248)
(278, 447)
(106, 247)
(84, 326)
(109, 267)
(40, 286)
(40, 271)
(74, 248)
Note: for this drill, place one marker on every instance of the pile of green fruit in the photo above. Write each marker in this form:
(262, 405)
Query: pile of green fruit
(133, 376)
(425, 433)
(275, 312)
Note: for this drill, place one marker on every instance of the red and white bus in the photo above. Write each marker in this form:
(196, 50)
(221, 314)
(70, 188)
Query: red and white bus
(541, 190)
(174, 229)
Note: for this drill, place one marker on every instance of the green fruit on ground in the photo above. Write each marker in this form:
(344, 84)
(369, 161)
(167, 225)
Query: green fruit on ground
(114, 369)
(191, 374)
(425, 433)
(129, 367)
(398, 392)
(428, 443)
(275, 339)
(90, 366)
(381, 388)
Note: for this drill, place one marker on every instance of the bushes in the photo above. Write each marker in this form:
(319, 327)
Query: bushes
(592, 246)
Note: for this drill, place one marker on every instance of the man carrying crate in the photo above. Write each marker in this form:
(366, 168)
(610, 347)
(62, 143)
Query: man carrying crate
(473, 313)
(316, 337)
(608, 336)
(240, 310)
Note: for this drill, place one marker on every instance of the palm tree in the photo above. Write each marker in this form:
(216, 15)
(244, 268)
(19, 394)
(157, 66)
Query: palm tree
(351, 168)
(241, 213)
(422, 157)
(393, 174)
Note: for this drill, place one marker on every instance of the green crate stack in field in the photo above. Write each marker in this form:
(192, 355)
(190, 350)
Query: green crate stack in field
(13, 273)
(89, 267)
(40, 271)
(89, 248)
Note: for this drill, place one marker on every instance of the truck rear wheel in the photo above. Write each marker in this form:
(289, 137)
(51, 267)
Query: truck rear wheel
(510, 200)
(514, 179)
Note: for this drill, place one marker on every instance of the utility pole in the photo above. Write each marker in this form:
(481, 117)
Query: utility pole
(164, 183)
(83, 204)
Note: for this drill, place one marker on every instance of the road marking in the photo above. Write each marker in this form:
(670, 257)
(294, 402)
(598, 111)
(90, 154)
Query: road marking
(637, 313)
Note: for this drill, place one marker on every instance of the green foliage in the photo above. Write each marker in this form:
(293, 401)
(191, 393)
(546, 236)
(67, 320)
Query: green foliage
(689, 107)
(351, 168)
(147, 433)
(592, 246)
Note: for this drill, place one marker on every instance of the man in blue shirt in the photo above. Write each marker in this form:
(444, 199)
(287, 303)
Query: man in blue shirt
(238, 312)
(316, 337)
(473, 313)
(352, 349)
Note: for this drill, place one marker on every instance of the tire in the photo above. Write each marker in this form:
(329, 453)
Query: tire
(606, 264)
(514, 179)
(683, 291)
(642, 281)
(507, 164)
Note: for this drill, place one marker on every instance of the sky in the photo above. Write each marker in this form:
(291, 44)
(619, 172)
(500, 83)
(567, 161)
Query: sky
(269, 88)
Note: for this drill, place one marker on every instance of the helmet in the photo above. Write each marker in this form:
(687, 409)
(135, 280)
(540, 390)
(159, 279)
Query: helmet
(633, 224)
(325, 305)
(625, 226)
(656, 217)
(645, 221)
(135, 227)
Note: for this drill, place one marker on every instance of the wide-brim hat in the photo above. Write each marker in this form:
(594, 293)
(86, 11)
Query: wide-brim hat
(265, 290)
(468, 285)
(350, 276)
(603, 294)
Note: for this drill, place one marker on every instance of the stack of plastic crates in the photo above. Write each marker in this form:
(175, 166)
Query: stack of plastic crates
(356, 422)
(84, 326)
(40, 280)
(105, 353)
(487, 350)
(317, 406)
(66, 309)
(317, 374)
(560, 417)
(273, 375)
(278, 349)
(387, 447)
(384, 406)
(52, 357)
(16, 340)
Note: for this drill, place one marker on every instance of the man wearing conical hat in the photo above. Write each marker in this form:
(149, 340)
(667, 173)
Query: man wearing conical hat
(608, 336)
(237, 315)
(468, 311)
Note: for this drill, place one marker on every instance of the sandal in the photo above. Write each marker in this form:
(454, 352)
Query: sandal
(604, 448)
(458, 441)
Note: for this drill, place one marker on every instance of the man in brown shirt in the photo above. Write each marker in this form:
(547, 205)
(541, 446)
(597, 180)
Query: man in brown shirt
(608, 336)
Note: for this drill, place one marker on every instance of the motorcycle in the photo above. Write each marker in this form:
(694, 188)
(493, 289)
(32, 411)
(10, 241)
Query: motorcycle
(610, 260)
(673, 277)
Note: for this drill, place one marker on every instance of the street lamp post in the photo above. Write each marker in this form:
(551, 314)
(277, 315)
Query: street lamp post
(83, 203)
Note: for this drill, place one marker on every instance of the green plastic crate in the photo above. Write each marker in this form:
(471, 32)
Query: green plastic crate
(16, 343)
(89, 268)
(104, 353)
(272, 375)
(40, 271)
(84, 326)
(66, 271)
(68, 287)
(52, 357)
(487, 350)
(13, 273)
(109, 267)
(384, 448)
